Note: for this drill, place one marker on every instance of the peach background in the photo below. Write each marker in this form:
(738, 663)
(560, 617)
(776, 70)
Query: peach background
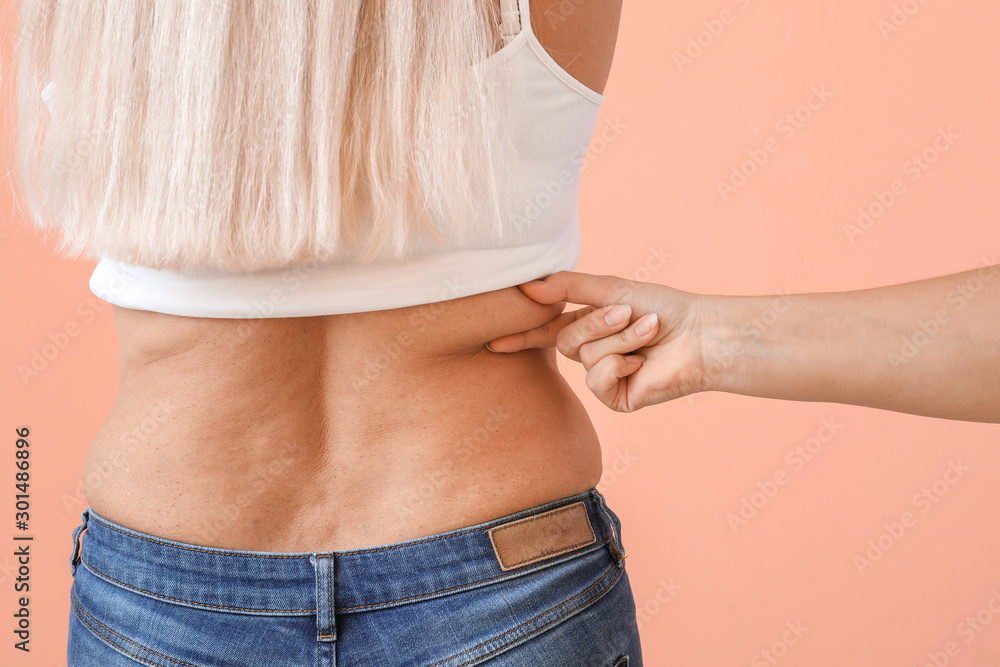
(707, 595)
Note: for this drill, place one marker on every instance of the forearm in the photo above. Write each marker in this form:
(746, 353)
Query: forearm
(930, 347)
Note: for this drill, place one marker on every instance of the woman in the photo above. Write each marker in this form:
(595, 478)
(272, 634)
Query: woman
(313, 459)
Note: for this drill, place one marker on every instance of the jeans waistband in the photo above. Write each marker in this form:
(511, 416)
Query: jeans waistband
(257, 582)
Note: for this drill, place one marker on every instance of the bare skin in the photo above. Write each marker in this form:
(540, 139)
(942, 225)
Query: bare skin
(354, 430)
(929, 347)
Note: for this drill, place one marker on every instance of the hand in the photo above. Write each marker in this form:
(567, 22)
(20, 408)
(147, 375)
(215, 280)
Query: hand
(669, 363)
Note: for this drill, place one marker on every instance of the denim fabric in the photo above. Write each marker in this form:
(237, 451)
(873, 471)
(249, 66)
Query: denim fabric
(439, 601)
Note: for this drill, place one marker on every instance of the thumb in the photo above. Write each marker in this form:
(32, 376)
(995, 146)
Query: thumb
(574, 287)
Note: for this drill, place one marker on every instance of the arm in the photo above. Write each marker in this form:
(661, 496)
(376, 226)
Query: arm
(930, 347)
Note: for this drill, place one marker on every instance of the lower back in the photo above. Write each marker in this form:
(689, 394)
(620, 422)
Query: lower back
(336, 432)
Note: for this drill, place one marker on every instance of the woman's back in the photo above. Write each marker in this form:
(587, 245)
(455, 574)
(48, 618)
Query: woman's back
(354, 429)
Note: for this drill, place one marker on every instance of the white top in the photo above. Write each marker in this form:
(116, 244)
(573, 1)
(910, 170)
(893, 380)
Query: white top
(556, 119)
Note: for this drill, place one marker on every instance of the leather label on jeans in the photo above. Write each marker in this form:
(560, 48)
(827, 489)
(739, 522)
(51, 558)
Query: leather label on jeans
(540, 536)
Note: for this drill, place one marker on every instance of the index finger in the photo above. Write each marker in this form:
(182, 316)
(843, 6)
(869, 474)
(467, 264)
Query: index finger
(541, 336)
(575, 287)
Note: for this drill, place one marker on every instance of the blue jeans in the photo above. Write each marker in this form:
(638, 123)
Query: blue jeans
(543, 586)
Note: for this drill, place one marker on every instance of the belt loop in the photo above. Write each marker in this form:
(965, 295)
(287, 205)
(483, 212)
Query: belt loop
(615, 544)
(326, 622)
(74, 560)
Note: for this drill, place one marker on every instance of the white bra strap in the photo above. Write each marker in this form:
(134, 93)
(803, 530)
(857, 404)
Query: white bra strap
(510, 20)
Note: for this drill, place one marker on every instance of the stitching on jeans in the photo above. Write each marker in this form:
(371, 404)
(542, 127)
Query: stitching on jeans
(545, 554)
(542, 628)
(295, 611)
(447, 590)
(556, 620)
(107, 643)
(321, 635)
(317, 586)
(200, 604)
(78, 607)
(329, 590)
(217, 552)
(532, 620)
(330, 598)
(603, 508)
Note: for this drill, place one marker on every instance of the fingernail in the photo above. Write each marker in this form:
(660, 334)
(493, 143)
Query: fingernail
(617, 315)
(645, 324)
(489, 348)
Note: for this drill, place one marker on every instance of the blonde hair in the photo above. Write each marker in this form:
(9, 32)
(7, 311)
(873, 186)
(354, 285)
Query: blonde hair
(247, 135)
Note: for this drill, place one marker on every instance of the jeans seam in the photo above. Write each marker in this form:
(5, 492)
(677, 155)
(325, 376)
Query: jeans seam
(616, 544)
(531, 620)
(74, 559)
(502, 577)
(345, 609)
(536, 631)
(78, 607)
(186, 602)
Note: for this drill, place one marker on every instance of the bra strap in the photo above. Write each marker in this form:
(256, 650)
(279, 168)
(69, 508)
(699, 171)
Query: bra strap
(510, 20)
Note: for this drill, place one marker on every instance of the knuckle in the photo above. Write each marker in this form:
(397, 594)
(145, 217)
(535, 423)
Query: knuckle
(558, 275)
(562, 339)
(621, 365)
(567, 350)
(626, 336)
(622, 290)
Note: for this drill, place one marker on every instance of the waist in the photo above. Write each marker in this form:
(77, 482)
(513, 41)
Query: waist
(241, 581)
(295, 442)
